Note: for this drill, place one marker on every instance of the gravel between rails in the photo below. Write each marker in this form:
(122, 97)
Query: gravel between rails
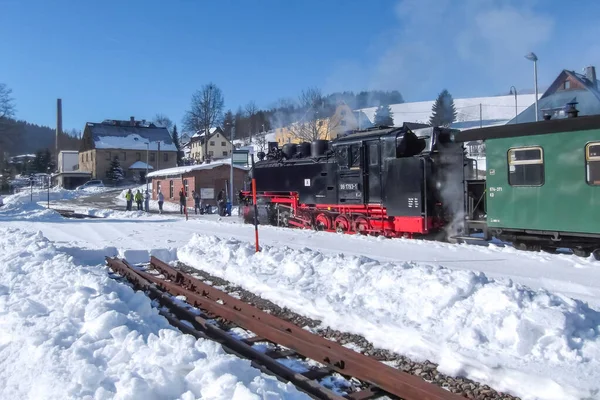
(426, 370)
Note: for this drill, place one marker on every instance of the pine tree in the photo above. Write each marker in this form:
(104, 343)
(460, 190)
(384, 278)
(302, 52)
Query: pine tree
(115, 173)
(443, 110)
(176, 142)
(384, 116)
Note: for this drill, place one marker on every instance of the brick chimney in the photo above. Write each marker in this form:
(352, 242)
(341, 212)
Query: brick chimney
(590, 74)
(132, 121)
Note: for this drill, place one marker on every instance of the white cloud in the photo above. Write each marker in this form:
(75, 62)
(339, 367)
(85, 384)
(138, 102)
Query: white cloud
(442, 40)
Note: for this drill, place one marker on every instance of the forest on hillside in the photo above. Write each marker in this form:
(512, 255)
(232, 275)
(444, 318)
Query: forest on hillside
(22, 137)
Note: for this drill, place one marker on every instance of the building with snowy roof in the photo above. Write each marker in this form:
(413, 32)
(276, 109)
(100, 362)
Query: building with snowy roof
(219, 146)
(137, 145)
(569, 87)
(208, 179)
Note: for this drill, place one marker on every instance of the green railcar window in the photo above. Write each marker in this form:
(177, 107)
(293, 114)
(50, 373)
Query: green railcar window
(526, 166)
(592, 163)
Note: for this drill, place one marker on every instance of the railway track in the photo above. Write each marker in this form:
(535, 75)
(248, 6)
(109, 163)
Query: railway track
(267, 340)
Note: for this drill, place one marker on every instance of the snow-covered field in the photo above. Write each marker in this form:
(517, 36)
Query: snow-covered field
(525, 323)
(495, 110)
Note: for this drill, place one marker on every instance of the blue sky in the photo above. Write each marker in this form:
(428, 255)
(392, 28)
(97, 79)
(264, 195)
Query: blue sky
(114, 59)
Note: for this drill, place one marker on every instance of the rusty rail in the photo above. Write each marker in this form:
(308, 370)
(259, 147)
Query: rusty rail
(267, 327)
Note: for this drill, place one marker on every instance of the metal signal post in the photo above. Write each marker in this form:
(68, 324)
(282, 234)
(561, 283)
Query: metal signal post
(255, 207)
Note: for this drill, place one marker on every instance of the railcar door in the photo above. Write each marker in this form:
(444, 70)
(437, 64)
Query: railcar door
(373, 168)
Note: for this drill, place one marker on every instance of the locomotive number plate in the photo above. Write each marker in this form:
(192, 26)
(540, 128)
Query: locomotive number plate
(348, 186)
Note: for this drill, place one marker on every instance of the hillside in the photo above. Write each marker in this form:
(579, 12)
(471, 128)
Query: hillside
(495, 110)
(29, 138)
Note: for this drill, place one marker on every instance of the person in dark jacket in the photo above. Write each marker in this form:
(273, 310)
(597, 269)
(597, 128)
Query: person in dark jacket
(221, 202)
(196, 197)
(182, 200)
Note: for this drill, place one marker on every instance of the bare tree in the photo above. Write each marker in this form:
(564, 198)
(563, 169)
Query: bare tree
(206, 111)
(163, 121)
(251, 111)
(314, 122)
(261, 142)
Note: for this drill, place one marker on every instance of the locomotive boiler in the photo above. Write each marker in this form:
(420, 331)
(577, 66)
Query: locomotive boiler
(392, 181)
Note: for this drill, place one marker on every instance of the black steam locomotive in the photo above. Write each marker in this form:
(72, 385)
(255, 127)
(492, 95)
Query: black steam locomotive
(392, 181)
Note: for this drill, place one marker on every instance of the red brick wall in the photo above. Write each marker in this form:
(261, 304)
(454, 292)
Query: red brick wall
(215, 178)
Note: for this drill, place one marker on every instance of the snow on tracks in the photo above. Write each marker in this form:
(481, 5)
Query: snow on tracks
(533, 344)
(72, 332)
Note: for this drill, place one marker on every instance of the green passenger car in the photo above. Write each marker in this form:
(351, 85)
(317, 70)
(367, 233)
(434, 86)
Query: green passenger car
(543, 183)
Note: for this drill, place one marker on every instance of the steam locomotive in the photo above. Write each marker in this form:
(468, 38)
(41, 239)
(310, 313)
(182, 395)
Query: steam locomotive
(541, 190)
(391, 181)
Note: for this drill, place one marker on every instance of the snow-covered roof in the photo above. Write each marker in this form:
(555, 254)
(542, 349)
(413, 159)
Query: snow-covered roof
(140, 165)
(201, 133)
(129, 137)
(495, 110)
(189, 168)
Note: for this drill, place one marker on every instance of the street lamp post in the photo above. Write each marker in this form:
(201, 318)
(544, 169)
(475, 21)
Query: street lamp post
(147, 161)
(513, 90)
(532, 57)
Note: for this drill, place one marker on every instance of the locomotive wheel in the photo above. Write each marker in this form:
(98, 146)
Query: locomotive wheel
(284, 218)
(341, 224)
(361, 225)
(579, 252)
(322, 222)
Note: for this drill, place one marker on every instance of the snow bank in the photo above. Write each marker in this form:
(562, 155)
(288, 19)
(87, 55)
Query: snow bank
(533, 344)
(72, 332)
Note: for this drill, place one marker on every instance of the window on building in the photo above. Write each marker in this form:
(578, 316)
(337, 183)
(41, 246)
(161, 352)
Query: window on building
(165, 157)
(210, 153)
(138, 156)
(567, 84)
(171, 189)
(526, 166)
(223, 143)
(212, 142)
(186, 187)
(123, 156)
(152, 157)
(343, 122)
(108, 156)
(355, 156)
(224, 153)
(87, 156)
(592, 163)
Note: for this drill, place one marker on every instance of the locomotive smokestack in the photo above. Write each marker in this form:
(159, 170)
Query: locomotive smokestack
(59, 127)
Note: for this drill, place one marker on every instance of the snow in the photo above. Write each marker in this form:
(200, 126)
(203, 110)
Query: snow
(189, 168)
(130, 142)
(140, 165)
(201, 133)
(495, 110)
(522, 322)
(513, 338)
(69, 331)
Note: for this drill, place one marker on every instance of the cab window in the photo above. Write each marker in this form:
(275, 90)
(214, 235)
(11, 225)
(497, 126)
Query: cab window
(355, 156)
(592, 163)
(526, 166)
(342, 157)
